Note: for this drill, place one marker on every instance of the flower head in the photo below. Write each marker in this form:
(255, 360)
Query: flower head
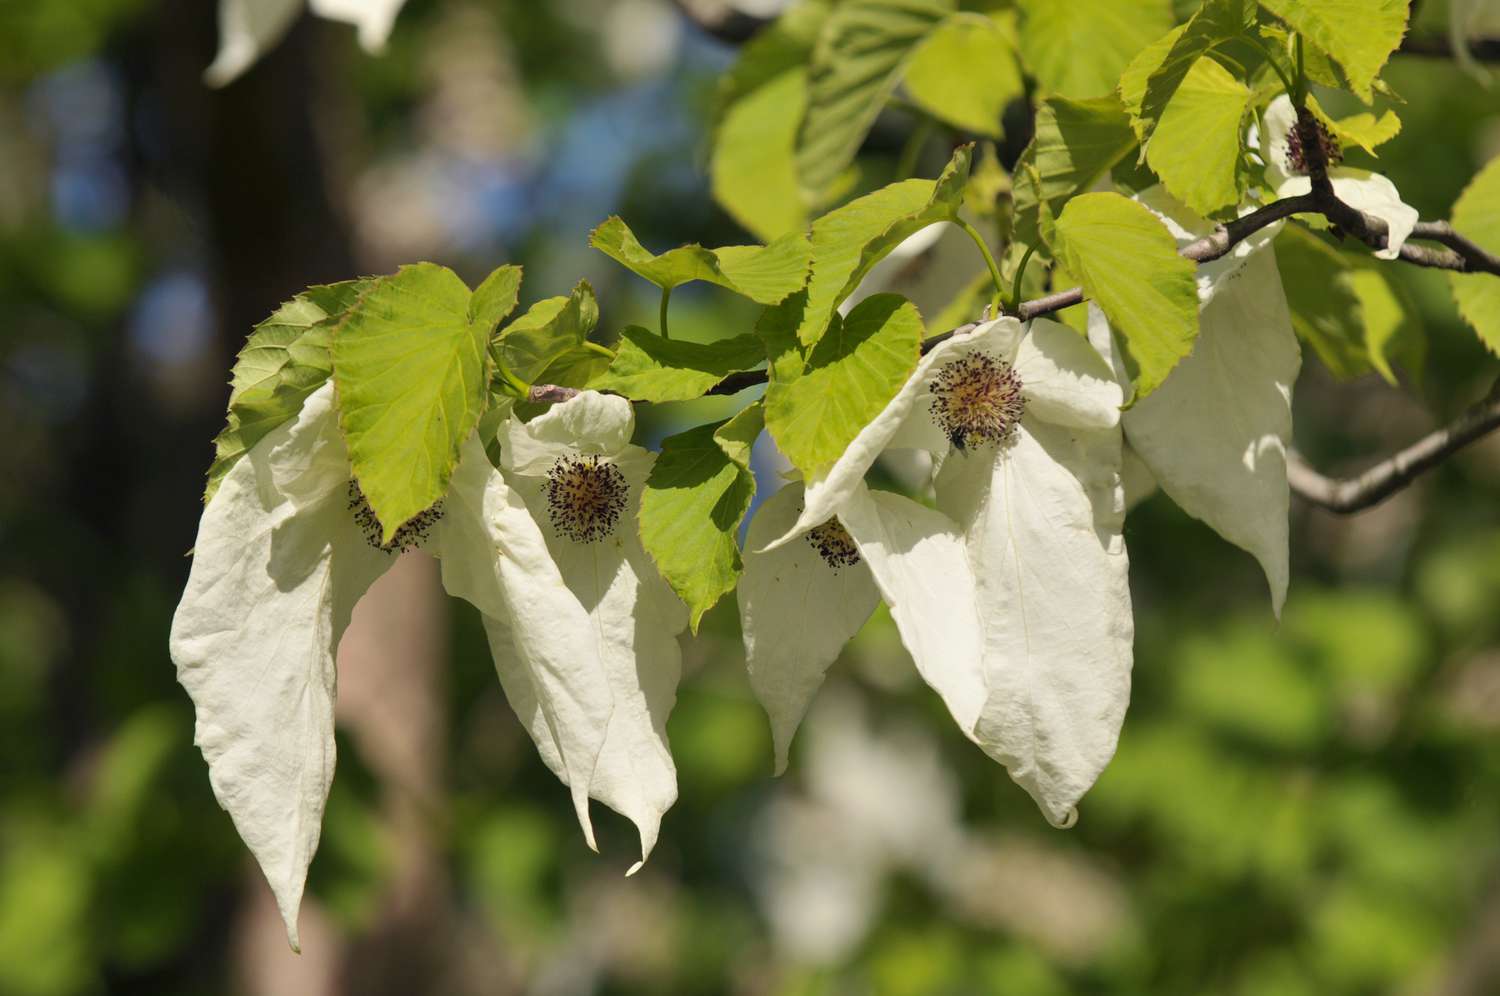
(1021, 616)
(579, 475)
(1287, 163)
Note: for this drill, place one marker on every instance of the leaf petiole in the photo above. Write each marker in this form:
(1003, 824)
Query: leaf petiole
(989, 260)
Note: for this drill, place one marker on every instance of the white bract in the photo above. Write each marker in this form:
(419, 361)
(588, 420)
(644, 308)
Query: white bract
(581, 479)
(1370, 192)
(250, 28)
(1024, 424)
(1228, 470)
(803, 598)
(285, 549)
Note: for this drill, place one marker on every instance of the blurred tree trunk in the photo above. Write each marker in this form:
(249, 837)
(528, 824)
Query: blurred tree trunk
(251, 162)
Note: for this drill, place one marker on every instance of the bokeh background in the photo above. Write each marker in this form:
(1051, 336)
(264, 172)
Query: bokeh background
(1309, 807)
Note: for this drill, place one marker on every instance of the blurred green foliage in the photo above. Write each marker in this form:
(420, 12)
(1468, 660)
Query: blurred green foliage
(1303, 807)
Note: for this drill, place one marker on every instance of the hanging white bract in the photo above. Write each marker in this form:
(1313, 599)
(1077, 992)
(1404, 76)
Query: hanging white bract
(286, 547)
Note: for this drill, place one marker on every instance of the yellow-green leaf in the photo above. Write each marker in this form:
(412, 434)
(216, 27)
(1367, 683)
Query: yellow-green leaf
(1078, 49)
(283, 361)
(965, 72)
(1076, 142)
(1196, 145)
(648, 367)
(856, 63)
(850, 376)
(411, 370)
(699, 491)
(1127, 262)
(754, 163)
(764, 274)
(849, 241)
(1477, 215)
(551, 328)
(1357, 34)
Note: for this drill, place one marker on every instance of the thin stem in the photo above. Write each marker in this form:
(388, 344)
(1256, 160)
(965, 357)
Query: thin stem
(989, 260)
(1300, 97)
(907, 164)
(1286, 81)
(666, 296)
(517, 386)
(1015, 286)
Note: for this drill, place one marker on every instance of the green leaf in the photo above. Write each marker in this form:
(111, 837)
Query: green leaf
(760, 104)
(1195, 148)
(1393, 328)
(787, 43)
(1363, 129)
(764, 274)
(857, 62)
(1153, 76)
(699, 491)
(777, 330)
(648, 367)
(581, 366)
(1325, 309)
(1076, 142)
(965, 72)
(1127, 262)
(851, 374)
(495, 298)
(1477, 215)
(754, 166)
(285, 359)
(411, 370)
(1358, 34)
(1348, 309)
(849, 241)
(549, 329)
(1078, 49)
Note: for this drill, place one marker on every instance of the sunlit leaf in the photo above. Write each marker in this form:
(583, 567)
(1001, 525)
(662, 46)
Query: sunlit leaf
(1195, 148)
(856, 64)
(549, 329)
(852, 372)
(849, 241)
(1076, 142)
(648, 367)
(411, 370)
(1078, 49)
(1477, 215)
(965, 72)
(699, 490)
(1127, 261)
(764, 274)
(1358, 34)
(285, 359)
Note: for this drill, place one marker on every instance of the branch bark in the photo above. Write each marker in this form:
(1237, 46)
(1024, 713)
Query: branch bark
(1374, 485)
(1397, 471)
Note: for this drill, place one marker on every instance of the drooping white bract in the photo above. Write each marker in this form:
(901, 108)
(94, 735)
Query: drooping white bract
(801, 600)
(250, 28)
(285, 549)
(581, 479)
(1370, 192)
(1025, 426)
(1215, 433)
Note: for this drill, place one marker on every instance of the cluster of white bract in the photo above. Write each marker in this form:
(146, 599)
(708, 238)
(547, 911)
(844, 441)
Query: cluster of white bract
(1009, 587)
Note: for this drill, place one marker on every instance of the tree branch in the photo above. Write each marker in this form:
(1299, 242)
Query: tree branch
(1396, 472)
(1482, 49)
(730, 26)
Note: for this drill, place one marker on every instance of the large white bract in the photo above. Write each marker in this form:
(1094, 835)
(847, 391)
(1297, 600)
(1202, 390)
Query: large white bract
(281, 559)
(1228, 470)
(1038, 507)
(250, 28)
